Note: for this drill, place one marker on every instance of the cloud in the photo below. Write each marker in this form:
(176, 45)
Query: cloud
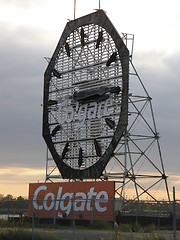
(19, 178)
(21, 75)
(160, 73)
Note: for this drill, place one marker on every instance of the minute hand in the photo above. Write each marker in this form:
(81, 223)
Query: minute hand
(94, 93)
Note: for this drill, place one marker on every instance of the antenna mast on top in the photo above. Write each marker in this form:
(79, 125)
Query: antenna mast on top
(75, 7)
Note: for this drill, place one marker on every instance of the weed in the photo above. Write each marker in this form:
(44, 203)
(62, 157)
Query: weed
(149, 228)
(125, 227)
(102, 225)
(22, 234)
(154, 236)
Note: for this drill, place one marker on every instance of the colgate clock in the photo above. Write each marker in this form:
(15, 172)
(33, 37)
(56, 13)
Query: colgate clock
(85, 108)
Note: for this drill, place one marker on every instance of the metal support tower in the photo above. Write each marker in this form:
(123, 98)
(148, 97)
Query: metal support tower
(137, 164)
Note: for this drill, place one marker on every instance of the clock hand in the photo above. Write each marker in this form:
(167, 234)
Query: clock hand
(105, 89)
(55, 130)
(82, 37)
(56, 73)
(110, 123)
(97, 147)
(65, 150)
(93, 93)
(100, 38)
(111, 59)
(80, 159)
(67, 48)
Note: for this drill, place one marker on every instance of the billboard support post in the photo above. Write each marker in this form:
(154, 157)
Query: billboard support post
(32, 212)
(92, 211)
(54, 213)
(174, 214)
(73, 219)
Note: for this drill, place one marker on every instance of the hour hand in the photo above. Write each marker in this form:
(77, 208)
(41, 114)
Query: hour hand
(95, 94)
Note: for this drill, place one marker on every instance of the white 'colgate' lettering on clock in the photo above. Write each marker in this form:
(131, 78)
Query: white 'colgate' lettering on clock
(80, 112)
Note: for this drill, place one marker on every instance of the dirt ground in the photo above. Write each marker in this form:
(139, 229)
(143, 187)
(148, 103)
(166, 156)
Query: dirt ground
(107, 235)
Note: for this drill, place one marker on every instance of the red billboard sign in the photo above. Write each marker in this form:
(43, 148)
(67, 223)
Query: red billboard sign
(79, 200)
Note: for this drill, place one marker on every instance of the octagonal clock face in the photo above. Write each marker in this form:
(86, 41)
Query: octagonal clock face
(86, 97)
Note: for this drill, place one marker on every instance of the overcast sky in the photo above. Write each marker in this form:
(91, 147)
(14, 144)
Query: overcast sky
(30, 30)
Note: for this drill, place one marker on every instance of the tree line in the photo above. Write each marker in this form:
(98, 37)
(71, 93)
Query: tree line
(10, 197)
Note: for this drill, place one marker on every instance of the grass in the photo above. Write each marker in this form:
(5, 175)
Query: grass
(152, 236)
(137, 228)
(148, 232)
(24, 234)
(21, 230)
(101, 225)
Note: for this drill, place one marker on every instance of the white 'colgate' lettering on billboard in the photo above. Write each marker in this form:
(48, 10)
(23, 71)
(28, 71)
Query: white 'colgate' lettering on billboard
(63, 198)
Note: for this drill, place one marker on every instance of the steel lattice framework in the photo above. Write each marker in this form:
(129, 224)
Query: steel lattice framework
(136, 164)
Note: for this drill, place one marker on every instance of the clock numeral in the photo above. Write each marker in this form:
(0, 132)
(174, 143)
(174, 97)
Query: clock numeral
(67, 49)
(80, 160)
(82, 37)
(97, 147)
(52, 102)
(55, 130)
(111, 59)
(110, 123)
(65, 150)
(56, 73)
(99, 40)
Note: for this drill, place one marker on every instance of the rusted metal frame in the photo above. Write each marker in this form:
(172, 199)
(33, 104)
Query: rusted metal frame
(139, 78)
(139, 113)
(48, 171)
(125, 36)
(147, 189)
(119, 162)
(117, 152)
(125, 161)
(160, 154)
(47, 165)
(158, 144)
(144, 190)
(52, 170)
(139, 98)
(143, 154)
(126, 183)
(141, 137)
(130, 159)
